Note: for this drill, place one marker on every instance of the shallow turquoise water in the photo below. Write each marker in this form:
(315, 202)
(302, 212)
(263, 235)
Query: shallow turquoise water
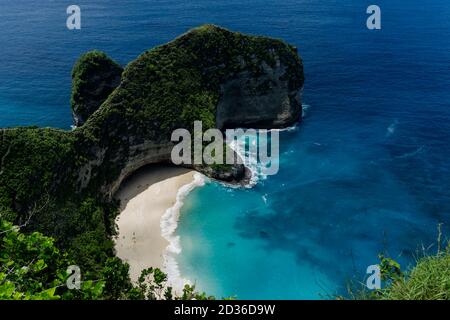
(367, 171)
(306, 231)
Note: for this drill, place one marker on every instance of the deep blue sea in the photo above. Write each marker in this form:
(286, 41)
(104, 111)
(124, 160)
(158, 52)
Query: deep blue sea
(368, 170)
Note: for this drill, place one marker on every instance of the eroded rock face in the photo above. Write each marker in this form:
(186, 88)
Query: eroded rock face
(224, 79)
(268, 101)
(94, 77)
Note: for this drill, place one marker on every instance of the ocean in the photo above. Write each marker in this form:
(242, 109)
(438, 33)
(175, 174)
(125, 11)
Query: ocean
(366, 172)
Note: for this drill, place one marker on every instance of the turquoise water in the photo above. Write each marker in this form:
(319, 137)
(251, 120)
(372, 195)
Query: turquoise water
(308, 230)
(367, 171)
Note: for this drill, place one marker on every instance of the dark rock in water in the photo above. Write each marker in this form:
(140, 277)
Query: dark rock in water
(94, 77)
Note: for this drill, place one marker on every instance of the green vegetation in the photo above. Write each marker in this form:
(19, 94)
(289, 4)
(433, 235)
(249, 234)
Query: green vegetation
(429, 279)
(94, 77)
(32, 160)
(37, 179)
(33, 268)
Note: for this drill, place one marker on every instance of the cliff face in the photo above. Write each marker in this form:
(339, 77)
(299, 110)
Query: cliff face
(94, 77)
(223, 78)
(269, 100)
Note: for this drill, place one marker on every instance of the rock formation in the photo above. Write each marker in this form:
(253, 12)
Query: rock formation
(94, 77)
(223, 78)
(125, 118)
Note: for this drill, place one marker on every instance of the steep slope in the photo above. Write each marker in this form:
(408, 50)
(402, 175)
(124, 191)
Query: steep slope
(94, 77)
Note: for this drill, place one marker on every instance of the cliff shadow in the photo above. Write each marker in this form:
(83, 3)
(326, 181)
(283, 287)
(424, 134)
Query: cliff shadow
(143, 178)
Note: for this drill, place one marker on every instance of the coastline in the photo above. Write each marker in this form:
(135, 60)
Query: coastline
(150, 203)
(169, 224)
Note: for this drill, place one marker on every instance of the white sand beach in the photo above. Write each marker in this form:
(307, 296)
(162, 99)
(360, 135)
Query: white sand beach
(145, 198)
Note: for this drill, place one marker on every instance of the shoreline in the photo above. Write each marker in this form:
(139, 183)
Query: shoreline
(169, 225)
(150, 203)
(149, 210)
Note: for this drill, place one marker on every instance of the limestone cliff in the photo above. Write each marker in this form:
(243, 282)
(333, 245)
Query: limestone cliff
(94, 77)
(270, 100)
(223, 78)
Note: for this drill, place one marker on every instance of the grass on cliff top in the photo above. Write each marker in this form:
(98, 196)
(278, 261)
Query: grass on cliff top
(428, 279)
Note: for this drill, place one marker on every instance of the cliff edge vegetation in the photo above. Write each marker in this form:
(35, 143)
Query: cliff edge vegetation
(427, 279)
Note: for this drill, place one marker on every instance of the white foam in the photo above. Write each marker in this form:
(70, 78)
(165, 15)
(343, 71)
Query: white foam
(169, 224)
(391, 129)
(305, 108)
(169, 221)
(411, 154)
(250, 159)
(287, 129)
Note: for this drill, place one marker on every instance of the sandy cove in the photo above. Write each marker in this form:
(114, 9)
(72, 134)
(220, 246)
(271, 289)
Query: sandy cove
(145, 198)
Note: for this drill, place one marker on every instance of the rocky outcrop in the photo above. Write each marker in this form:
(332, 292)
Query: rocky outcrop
(94, 77)
(271, 100)
(224, 79)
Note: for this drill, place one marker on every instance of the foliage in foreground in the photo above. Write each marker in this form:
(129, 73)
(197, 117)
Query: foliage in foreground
(429, 279)
(33, 268)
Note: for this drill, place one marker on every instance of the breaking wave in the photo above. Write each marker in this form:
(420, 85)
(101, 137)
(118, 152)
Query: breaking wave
(169, 223)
